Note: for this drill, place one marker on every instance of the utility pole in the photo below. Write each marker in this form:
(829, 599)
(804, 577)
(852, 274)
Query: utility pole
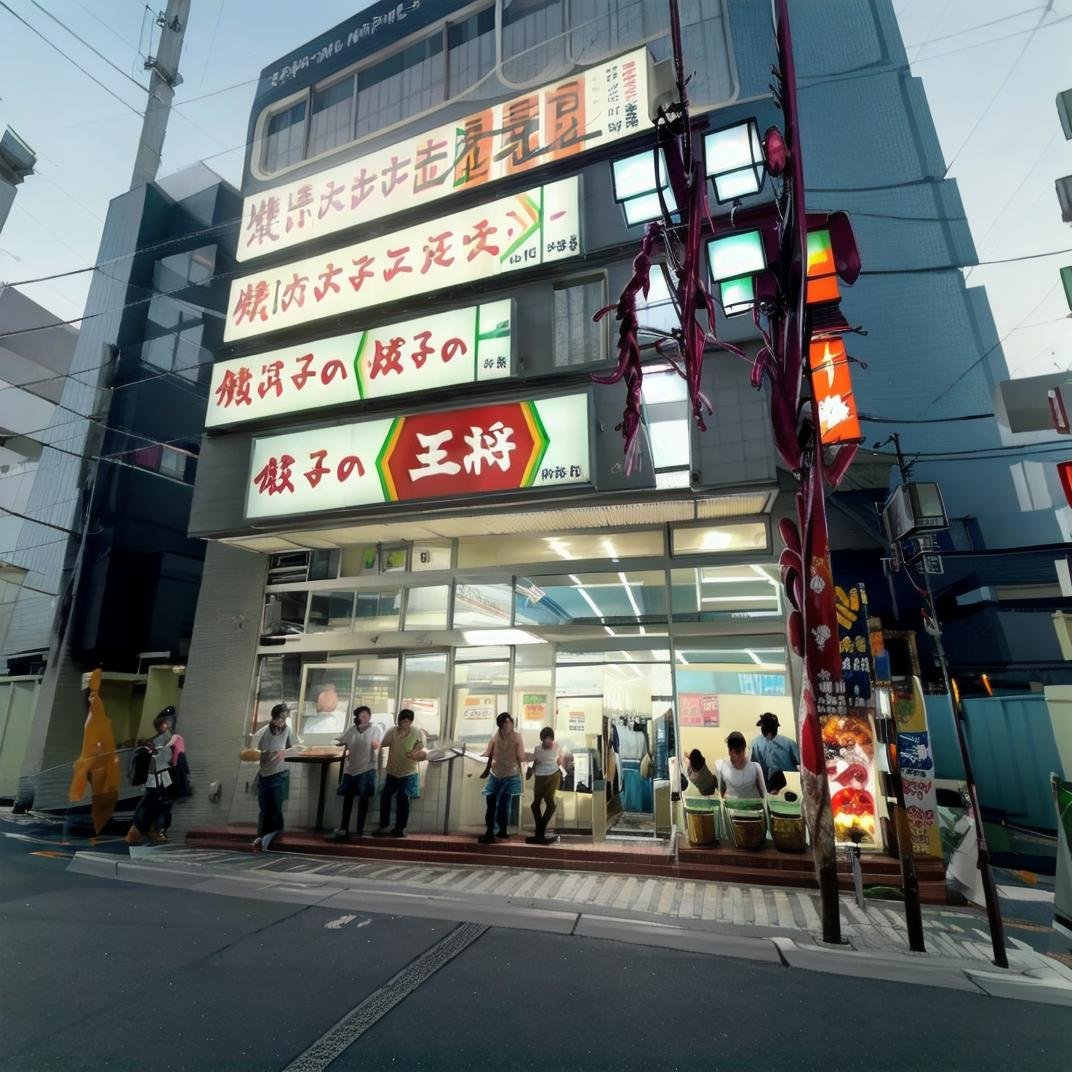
(990, 893)
(162, 82)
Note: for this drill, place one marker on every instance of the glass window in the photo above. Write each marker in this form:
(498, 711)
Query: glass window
(533, 39)
(331, 612)
(431, 556)
(405, 84)
(378, 611)
(174, 332)
(394, 559)
(194, 267)
(520, 549)
(470, 50)
(481, 604)
(326, 699)
(284, 142)
(376, 684)
(424, 691)
(278, 681)
(709, 593)
(288, 567)
(284, 614)
(619, 598)
(331, 116)
(324, 564)
(360, 560)
(579, 340)
(729, 537)
(426, 608)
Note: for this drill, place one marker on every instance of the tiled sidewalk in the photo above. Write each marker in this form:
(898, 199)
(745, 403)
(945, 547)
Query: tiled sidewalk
(756, 910)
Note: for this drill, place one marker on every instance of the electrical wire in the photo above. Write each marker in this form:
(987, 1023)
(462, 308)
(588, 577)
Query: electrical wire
(997, 92)
(51, 44)
(78, 37)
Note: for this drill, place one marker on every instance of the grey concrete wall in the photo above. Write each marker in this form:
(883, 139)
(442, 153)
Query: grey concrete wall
(216, 698)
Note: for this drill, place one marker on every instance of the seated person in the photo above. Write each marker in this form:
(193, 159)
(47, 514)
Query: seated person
(698, 773)
(741, 777)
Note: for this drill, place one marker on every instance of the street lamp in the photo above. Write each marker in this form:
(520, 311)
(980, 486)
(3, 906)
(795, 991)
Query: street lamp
(637, 189)
(734, 161)
(734, 261)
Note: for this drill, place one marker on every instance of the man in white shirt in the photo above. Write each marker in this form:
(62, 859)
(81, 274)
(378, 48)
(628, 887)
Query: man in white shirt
(362, 743)
(548, 777)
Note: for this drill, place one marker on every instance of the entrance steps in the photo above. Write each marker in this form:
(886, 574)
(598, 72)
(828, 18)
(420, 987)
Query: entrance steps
(719, 863)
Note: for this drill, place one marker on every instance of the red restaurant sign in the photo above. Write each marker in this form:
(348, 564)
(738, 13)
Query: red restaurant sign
(499, 447)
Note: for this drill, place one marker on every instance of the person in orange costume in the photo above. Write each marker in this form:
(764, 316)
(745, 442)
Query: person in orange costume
(98, 765)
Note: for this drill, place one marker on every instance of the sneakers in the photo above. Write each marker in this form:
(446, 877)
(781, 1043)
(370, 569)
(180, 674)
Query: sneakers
(337, 836)
(486, 839)
(396, 833)
(133, 836)
(536, 840)
(158, 837)
(382, 831)
(501, 834)
(258, 845)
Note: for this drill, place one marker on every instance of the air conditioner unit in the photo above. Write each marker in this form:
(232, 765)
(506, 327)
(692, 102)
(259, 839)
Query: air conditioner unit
(913, 508)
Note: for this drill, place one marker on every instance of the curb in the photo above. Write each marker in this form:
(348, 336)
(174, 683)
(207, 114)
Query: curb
(1042, 983)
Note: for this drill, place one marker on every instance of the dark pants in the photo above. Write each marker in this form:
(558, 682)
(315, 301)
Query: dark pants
(154, 807)
(362, 812)
(394, 786)
(545, 788)
(271, 792)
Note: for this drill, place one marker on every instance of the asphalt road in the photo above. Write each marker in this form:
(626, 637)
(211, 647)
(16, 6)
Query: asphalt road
(106, 975)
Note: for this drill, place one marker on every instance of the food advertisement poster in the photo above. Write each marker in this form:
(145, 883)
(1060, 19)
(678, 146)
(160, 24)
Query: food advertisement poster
(849, 739)
(916, 761)
(697, 709)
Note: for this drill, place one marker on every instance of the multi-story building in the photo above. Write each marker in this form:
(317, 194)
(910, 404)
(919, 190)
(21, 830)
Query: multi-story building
(413, 493)
(106, 544)
(35, 355)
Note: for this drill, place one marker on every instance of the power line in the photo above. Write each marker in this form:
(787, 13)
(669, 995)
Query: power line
(96, 52)
(70, 60)
(925, 420)
(997, 92)
(986, 353)
(977, 26)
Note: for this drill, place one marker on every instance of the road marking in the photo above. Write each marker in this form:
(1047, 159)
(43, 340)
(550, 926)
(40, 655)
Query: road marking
(379, 1003)
(338, 924)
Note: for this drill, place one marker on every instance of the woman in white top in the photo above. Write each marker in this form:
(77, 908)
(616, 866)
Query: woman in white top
(741, 779)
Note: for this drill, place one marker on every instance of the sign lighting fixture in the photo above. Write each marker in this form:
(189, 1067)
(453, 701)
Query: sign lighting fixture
(636, 187)
(734, 161)
(734, 261)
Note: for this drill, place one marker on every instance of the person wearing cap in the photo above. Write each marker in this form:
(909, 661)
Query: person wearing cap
(152, 817)
(774, 753)
(275, 741)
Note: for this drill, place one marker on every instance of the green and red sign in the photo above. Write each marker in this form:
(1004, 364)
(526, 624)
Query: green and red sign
(479, 450)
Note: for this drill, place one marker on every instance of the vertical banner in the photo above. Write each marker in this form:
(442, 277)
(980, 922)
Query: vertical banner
(916, 761)
(849, 739)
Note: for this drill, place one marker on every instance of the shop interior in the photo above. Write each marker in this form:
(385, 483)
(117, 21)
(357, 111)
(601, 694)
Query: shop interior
(656, 641)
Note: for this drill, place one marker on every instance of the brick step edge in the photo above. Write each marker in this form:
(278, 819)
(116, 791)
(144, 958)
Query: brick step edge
(553, 859)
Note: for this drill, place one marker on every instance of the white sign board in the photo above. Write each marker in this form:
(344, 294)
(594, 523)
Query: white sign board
(523, 230)
(600, 105)
(444, 350)
(474, 451)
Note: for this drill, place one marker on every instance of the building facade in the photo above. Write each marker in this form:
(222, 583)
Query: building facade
(105, 541)
(413, 493)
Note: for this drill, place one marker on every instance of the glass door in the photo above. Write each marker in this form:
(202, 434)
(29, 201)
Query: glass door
(424, 691)
(481, 691)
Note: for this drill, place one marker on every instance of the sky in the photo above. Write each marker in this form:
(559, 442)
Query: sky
(991, 70)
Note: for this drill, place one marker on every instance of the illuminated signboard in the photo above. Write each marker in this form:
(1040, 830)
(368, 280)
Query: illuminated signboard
(502, 446)
(598, 106)
(832, 384)
(444, 350)
(521, 231)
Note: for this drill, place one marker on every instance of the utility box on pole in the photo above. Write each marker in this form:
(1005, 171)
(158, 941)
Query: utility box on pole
(1064, 110)
(17, 161)
(165, 77)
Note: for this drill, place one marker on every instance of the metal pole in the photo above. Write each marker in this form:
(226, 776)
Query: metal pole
(162, 82)
(990, 893)
(909, 879)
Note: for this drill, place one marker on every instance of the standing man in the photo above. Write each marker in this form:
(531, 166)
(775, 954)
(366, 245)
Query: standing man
(406, 745)
(546, 757)
(273, 779)
(362, 742)
(506, 759)
(774, 753)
